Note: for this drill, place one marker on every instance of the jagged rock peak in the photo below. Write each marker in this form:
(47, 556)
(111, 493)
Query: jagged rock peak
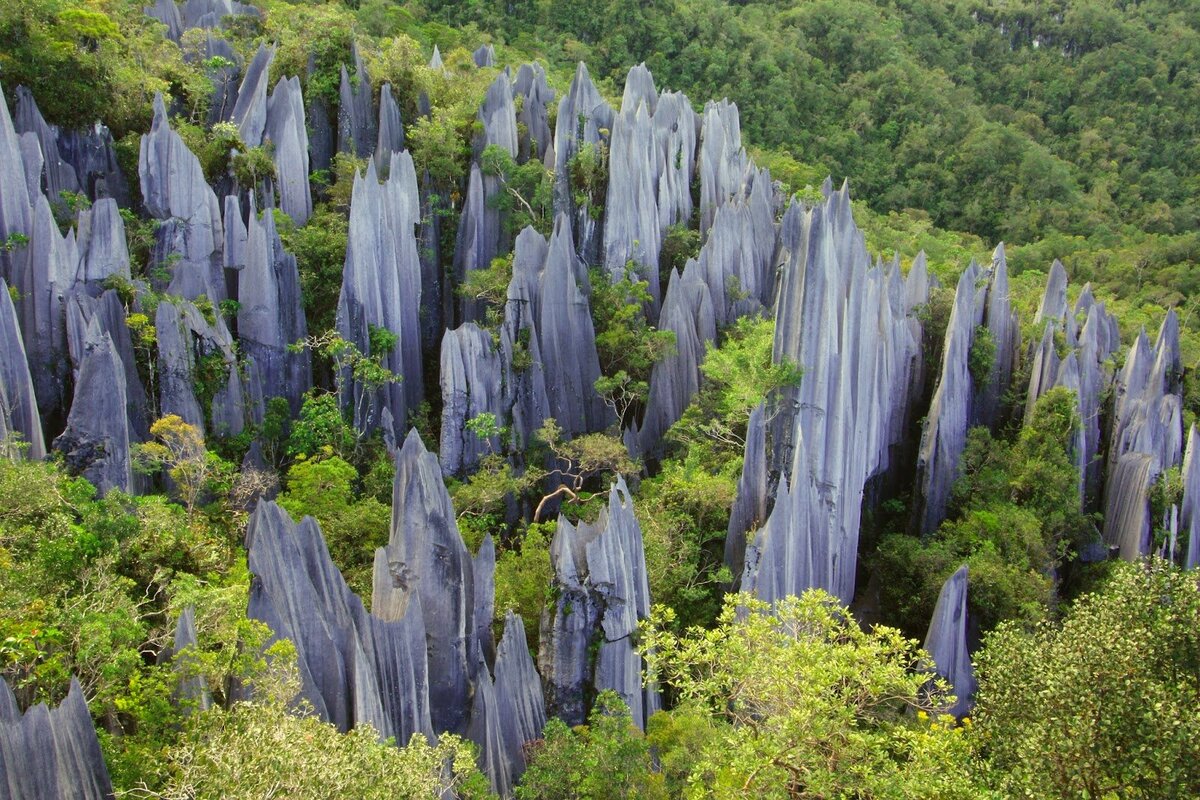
(355, 667)
(51, 752)
(1054, 301)
(485, 56)
(1190, 513)
(947, 638)
(250, 110)
(18, 401)
(95, 443)
(471, 374)
(435, 61)
(287, 132)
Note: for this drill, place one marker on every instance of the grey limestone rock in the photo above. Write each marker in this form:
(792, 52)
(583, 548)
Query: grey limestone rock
(1001, 323)
(211, 13)
(355, 666)
(175, 191)
(435, 61)
(391, 127)
(521, 708)
(525, 401)
(96, 440)
(192, 693)
(16, 193)
(1054, 301)
(752, 504)
(722, 161)
(847, 324)
(381, 287)
(471, 385)
(1190, 513)
(184, 338)
(103, 251)
(485, 56)
(167, 12)
(270, 316)
(51, 753)
(250, 111)
(223, 74)
(356, 117)
(88, 319)
(483, 567)
(534, 113)
(600, 575)
(674, 380)
(18, 401)
(567, 339)
(56, 174)
(426, 567)
(583, 115)
(947, 640)
(285, 129)
(632, 232)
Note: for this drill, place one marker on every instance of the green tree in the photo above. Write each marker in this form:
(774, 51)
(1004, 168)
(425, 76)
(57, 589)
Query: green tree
(1103, 704)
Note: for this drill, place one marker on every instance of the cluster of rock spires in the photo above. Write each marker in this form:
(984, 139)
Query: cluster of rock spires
(422, 660)
(49, 752)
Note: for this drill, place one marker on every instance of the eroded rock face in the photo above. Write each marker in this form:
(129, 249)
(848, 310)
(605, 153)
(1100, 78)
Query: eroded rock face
(289, 135)
(1190, 512)
(947, 642)
(356, 116)
(174, 191)
(270, 317)
(521, 710)
(95, 443)
(688, 313)
(426, 566)
(188, 341)
(18, 401)
(583, 115)
(51, 752)
(848, 325)
(250, 111)
(354, 666)
(1147, 436)
(600, 575)
(471, 385)
(534, 114)
(752, 505)
(381, 288)
(485, 56)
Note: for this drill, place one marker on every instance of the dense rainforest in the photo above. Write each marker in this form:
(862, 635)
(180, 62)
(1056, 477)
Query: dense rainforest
(545, 399)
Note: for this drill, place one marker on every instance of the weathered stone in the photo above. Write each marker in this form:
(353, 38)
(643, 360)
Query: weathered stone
(471, 385)
(381, 288)
(356, 117)
(270, 317)
(175, 191)
(250, 111)
(287, 132)
(1001, 323)
(57, 175)
(722, 162)
(96, 441)
(521, 708)
(18, 401)
(426, 567)
(48, 753)
(103, 251)
(947, 642)
(675, 379)
(16, 212)
(752, 505)
(185, 338)
(583, 116)
(192, 692)
(107, 314)
(534, 114)
(1190, 512)
(485, 56)
(167, 12)
(391, 127)
(355, 667)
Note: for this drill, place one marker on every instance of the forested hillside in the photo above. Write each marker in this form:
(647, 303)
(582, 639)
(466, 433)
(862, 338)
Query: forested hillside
(588, 400)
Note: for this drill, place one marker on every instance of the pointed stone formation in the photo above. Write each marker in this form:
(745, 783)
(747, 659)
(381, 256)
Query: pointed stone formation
(521, 707)
(250, 110)
(167, 12)
(185, 338)
(44, 275)
(947, 642)
(18, 402)
(847, 325)
(88, 320)
(1054, 301)
(16, 211)
(1043, 370)
(381, 288)
(426, 566)
(737, 260)
(56, 174)
(1147, 437)
(391, 127)
(356, 117)
(435, 61)
(568, 340)
(534, 115)
(470, 376)
(485, 56)
(524, 379)
(582, 116)
(945, 433)
(631, 226)
(175, 191)
(355, 667)
(95, 443)
(192, 693)
(1001, 323)
(752, 505)
(51, 752)
(103, 251)
(688, 313)
(271, 317)
(1190, 514)
(224, 76)
(287, 132)
(723, 162)
(212, 13)
(600, 575)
